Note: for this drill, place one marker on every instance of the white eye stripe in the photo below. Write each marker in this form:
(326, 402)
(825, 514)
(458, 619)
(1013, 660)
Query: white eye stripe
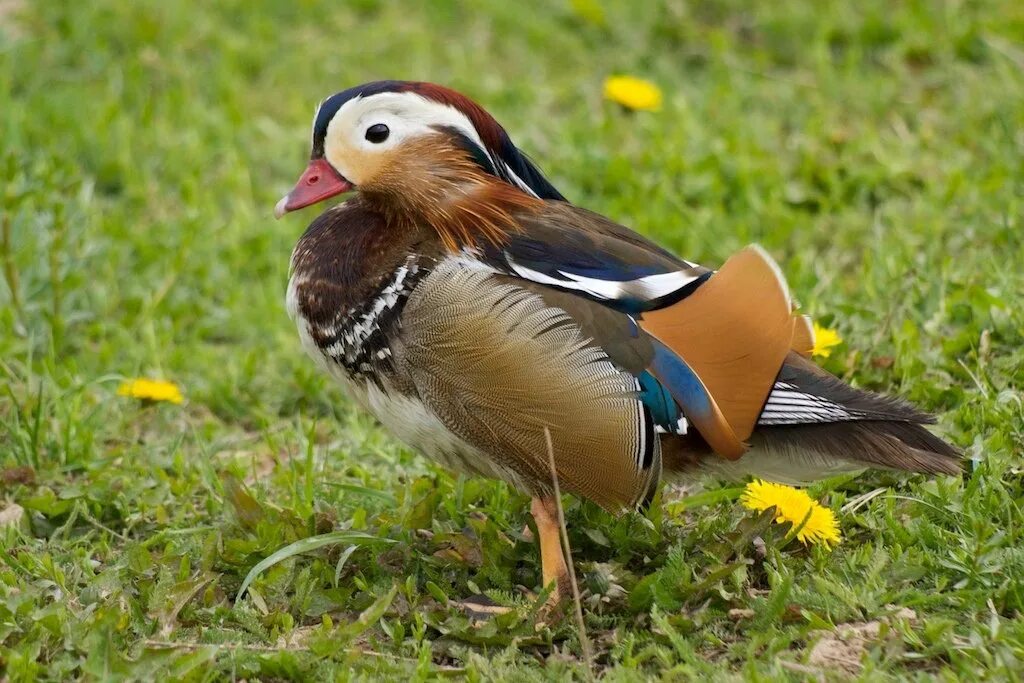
(409, 113)
(406, 114)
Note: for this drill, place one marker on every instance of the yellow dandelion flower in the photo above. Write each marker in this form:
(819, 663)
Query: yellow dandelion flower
(150, 390)
(794, 506)
(633, 93)
(824, 339)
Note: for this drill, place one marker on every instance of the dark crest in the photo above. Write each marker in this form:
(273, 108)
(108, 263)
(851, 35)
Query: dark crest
(500, 158)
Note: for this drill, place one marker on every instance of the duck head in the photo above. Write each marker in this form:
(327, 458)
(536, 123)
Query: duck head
(409, 146)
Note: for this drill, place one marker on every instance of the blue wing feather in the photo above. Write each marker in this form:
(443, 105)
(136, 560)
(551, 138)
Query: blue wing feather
(659, 401)
(680, 382)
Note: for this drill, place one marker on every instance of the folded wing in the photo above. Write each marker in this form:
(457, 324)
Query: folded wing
(497, 365)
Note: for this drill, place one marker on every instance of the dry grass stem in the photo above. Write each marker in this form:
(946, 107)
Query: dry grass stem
(588, 655)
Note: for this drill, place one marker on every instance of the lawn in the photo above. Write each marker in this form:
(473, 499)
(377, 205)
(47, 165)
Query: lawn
(877, 152)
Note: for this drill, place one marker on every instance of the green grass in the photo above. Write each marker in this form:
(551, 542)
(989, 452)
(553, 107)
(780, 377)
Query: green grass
(876, 152)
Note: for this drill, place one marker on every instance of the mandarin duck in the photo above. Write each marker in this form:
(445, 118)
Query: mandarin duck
(464, 302)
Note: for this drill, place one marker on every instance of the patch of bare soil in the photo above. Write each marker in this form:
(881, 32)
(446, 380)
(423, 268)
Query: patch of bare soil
(843, 648)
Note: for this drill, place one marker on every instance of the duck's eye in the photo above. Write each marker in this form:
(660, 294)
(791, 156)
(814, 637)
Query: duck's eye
(377, 133)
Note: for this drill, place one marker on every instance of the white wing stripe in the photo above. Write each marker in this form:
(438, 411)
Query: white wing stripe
(643, 289)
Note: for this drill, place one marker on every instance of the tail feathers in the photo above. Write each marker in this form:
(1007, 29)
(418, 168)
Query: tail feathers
(888, 445)
(832, 424)
(800, 455)
(814, 426)
(806, 394)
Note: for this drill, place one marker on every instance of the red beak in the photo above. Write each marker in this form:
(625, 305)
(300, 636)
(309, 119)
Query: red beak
(318, 182)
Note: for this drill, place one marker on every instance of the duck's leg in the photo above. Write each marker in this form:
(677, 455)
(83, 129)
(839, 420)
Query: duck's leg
(552, 560)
